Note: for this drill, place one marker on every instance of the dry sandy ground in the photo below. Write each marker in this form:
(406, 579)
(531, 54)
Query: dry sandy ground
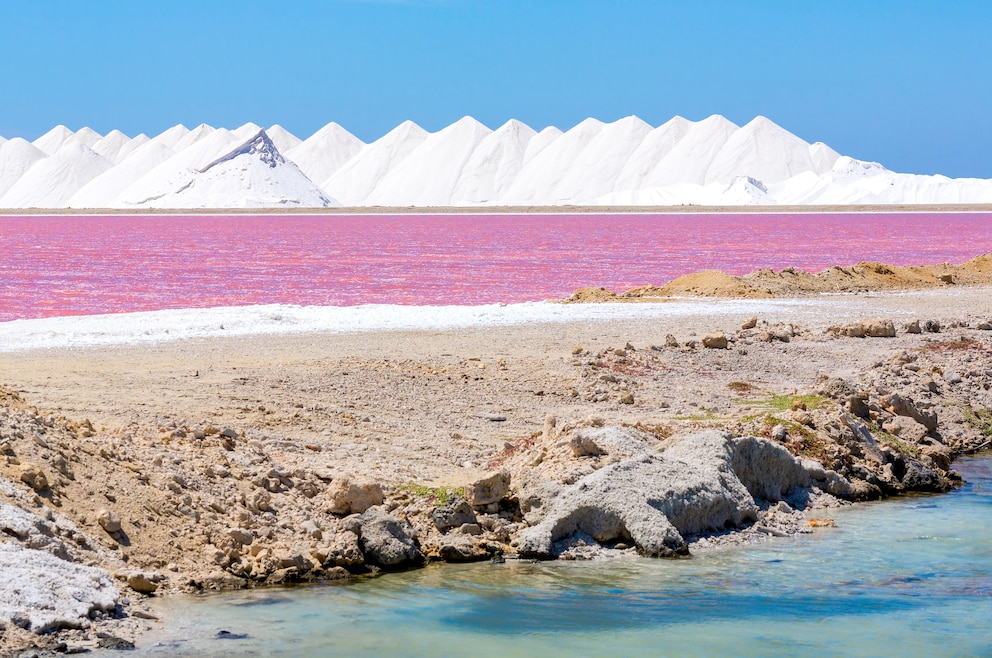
(413, 406)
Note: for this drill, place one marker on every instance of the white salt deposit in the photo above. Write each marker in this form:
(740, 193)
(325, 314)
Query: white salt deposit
(53, 140)
(493, 165)
(132, 146)
(110, 145)
(323, 153)
(429, 175)
(282, 138)
(356, 180)
(158, 326)
(16, 157)
(172, 135)
(627, 162)
(51, 181)
(102, 191)
(87, 136)
(251, 175)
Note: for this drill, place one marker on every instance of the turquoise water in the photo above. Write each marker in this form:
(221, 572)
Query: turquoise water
(911, 577)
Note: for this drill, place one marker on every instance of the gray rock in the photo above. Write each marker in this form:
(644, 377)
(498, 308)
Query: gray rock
(919, 477)
(386, 541)
(456, 513)
(703, 482)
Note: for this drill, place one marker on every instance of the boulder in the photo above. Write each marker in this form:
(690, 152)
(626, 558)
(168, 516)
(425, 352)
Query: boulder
(456, 513)
(386, 541)
(905, 428)
(717, 341)
(702, 483)
(901, 406)
(346, 496)
(108, 520)
(919, 477)
(488, 489)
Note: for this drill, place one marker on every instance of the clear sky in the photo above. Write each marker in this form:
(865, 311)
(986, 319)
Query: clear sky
(905, 83)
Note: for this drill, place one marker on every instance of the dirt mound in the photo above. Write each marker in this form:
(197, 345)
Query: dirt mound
(866, 276)
(711, 283)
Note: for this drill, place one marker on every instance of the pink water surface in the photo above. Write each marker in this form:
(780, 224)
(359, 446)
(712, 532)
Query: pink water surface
(51, 266)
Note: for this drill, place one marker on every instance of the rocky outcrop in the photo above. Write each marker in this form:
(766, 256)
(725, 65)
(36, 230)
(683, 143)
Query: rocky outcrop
(387, 541)
(702, 483)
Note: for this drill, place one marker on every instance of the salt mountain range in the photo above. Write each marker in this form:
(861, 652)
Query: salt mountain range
(626, 163)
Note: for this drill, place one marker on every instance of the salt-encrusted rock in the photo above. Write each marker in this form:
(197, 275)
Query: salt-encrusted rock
(108, 520)
(488, 489)
(41, 592)
(454, 514)
(387, 541)
(34, 477)
(703, 482)
(346, 496)
(717, 341)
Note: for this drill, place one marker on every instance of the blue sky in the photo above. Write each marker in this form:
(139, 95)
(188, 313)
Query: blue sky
(906, 83)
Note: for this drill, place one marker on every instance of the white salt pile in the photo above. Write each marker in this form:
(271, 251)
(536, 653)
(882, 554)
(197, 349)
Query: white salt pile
(712, 162)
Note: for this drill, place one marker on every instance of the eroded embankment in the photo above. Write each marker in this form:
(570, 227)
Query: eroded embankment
(790, 282)
(295, 472)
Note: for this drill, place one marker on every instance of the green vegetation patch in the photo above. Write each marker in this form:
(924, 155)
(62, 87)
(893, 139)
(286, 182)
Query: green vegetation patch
(440, 496)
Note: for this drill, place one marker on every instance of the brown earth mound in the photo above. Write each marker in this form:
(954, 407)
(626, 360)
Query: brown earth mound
(790, 282)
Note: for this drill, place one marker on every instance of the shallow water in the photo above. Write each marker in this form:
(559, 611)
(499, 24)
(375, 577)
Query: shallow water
(84, 265)
(909, 577)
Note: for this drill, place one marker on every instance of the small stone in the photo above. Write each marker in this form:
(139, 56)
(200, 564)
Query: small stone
(627, 398)
(750, 323)
(931, 327)
(140, 582)
(33, 476)
(912, 327)
(108, 520)
(670, 341)
(495, 418)
(952, 377)
(779, 433)
(717, 341)
(577, 350)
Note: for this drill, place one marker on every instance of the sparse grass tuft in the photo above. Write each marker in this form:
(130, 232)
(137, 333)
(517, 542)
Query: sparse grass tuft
(661, 432)
(440, 496)
(740, 388)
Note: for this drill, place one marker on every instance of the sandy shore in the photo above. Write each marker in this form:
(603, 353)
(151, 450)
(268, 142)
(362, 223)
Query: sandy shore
(220, 457)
